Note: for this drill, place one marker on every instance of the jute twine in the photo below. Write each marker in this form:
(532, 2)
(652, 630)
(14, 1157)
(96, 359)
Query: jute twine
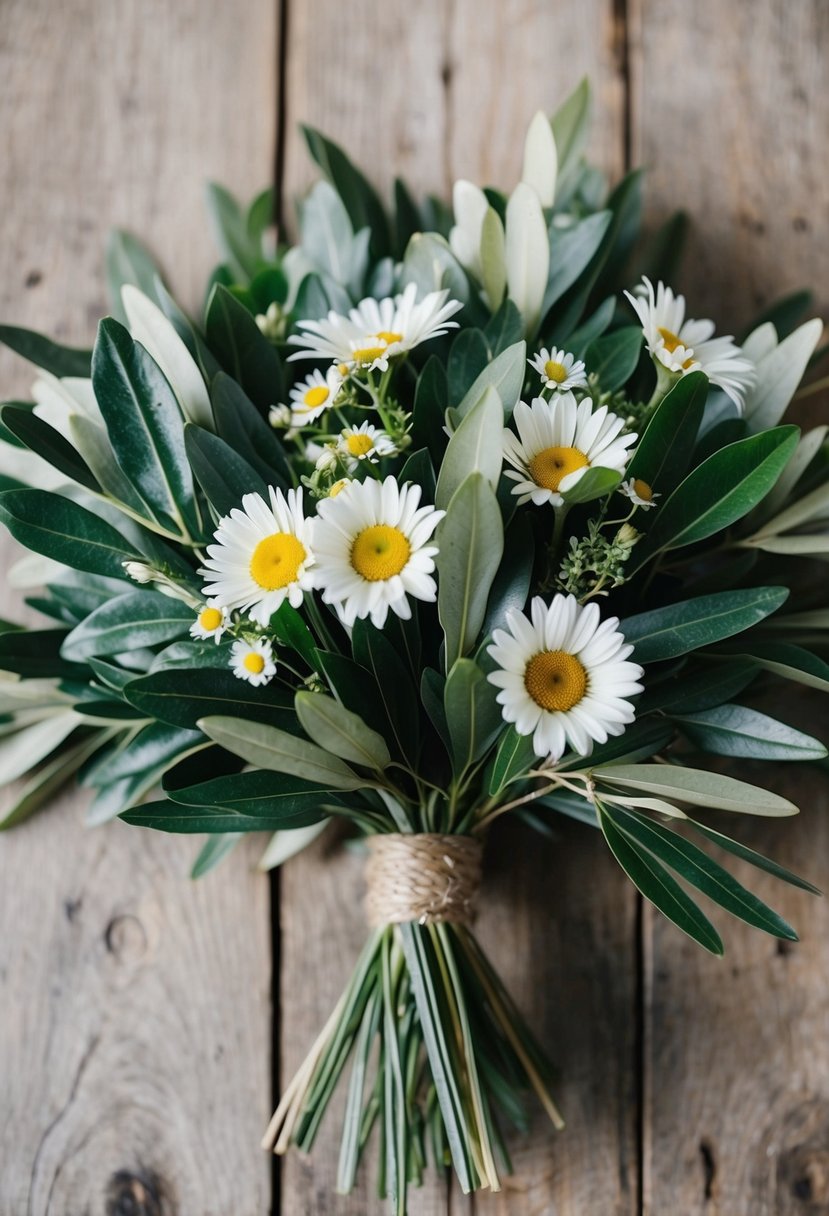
(422, 877)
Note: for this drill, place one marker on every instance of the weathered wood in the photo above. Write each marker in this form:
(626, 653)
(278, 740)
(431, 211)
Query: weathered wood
(135, 1036)
(729, 105)
(730, 113)
(453, 100)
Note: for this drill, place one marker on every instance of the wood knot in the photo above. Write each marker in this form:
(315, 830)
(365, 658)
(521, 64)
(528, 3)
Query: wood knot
(136, 1193)
(126, 938)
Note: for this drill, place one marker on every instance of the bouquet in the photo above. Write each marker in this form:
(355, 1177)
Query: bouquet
(436, 516)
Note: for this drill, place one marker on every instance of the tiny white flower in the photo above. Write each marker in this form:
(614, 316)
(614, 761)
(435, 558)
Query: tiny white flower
(372, 550)
(559, 370)
(262, 556)
(253, 661)
(271, 323)
(684, 346)
(314, 395)
(211, 622)
(326, 460)
(557, 442)
(639, 492)
(563, 676)
(364, 442)
(376, 330)
(280, 417)
(140, 572)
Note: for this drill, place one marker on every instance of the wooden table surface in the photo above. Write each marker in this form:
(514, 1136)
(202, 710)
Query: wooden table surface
(145, 1020)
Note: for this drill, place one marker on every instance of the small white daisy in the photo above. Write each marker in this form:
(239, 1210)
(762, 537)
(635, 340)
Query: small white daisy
(684, 346)
(262, 556)
(372, 550)
(253, 661)
(559, 370)
(364, 442)
(211, 622)
(639, 493)
(563, 676)
(557, 441)
(314, 395)
(376, 330)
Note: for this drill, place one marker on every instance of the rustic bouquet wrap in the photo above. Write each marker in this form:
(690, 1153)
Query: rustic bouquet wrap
(436, 515)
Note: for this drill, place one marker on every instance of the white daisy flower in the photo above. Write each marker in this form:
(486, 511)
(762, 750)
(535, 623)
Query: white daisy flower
(563, 676)
(376, 330)
(559, 370)
(364, 442)
(253, 661)
(314, 395)
(639, 493)
(684, 346)
(557, 441)
(211, 622)
(372, 551)
(262, 556)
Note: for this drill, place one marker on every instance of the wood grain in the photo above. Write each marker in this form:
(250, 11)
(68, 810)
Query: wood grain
(135, 1035)
(729, 106)
(730, 112)
(558, 920)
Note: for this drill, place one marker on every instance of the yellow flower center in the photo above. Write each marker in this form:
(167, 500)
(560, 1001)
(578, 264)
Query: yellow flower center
(549, 466)
(555, 680)
(555, 371)
(359, 444)
(276, 561)
(254, 663)
(337, 487)
(315, 396)
(342, 368)
(671, 340)
(388, 337)
(379, 552)
(367, 354)
(642, 490)
(210, 619)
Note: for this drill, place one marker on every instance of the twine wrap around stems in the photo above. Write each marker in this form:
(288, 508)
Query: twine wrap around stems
(423, 877)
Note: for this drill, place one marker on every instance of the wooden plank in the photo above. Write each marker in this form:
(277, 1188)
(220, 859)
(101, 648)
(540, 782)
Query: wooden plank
(737, 1051)
(135, 1038)
(454, 99)
(729, 111)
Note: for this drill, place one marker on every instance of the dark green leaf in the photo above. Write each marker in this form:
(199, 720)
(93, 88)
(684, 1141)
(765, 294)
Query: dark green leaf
(700, 870)
(283, 799)
(167, 816)
(42, 438)
(613, 358)
(754, 859)
(664, 452)
(182, 696)
(720, 491)
(571, 251)
(701, 687)
(504, 329)
(243, 429)
(665, 633)
(467, 359)
(361, 202)
(145, 427)
(394, 683)
(222, 473)
(128, 261)
(128, 622)
(656, 884)
(245, 354)
(59, 360)
(511, 584)
(472, 713)
(35, 654)
(431, 400)
(515, 756)
(63, 530)
(734, 730)
(239, 246)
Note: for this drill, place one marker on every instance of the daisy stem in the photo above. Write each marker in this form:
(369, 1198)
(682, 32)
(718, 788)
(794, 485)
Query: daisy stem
(558, 533)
